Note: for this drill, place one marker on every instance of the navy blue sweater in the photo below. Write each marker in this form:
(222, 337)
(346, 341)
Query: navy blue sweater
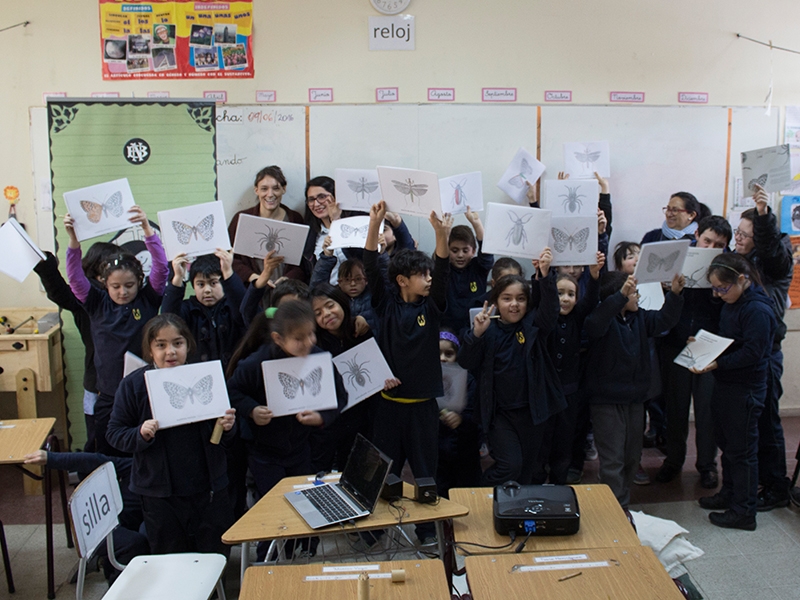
(466, 289)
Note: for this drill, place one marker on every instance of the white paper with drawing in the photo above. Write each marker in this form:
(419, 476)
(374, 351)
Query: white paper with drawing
(577, 197)
(409, 191)
(357, 189)
(350, 232)
(198, 229)
(299, 383)
(132, 362)
(661, 261)
(364, 371)
(256, 237)
(573, 240)
(18, 253)
(524, 169)
(651, 295)
(696, 266)
(583, 159)
(771, 168)
(459, 191)
(705, 349)
(187, 394)
(100, 209)
(518, 231)
(454, 381)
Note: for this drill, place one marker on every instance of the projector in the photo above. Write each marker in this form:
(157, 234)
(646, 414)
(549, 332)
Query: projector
(535, 509)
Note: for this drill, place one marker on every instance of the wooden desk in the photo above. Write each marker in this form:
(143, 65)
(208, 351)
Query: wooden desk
(603, 523)
(623, 573)
(424, 579)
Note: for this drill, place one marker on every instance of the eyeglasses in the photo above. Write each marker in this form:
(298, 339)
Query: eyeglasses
(352, 279)
(721, 291)
(741, 234)
(322, 199)
(669, 210)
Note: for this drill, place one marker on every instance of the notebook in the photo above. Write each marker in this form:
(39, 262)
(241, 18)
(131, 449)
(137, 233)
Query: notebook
(354, 496)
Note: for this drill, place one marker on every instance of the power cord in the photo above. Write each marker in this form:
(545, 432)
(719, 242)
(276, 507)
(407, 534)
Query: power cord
(511, 534)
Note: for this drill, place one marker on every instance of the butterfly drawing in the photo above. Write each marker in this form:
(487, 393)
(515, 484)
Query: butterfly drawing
(362, 187)
(96, 211)
(761, 180)
(348, 230)
(204, 229)
(663, 263)
(587, 158)
(578, 239)
(178, 394)
(409, 188)
(520, 179)
(290, 383)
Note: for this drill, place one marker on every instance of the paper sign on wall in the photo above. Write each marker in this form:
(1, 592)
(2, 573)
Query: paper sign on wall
(299, 383)
(195, 230)
(256, 237)
(100, 209)
(187, 394)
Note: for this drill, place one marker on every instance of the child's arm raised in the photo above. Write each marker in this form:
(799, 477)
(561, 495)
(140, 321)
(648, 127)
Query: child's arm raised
(172, 300)
(78, 282)
(232, 285)
(159, 268)
(597, 323)
(547, 312)
(402, 235)
(441, 270)
(375, 280)
(475, 220)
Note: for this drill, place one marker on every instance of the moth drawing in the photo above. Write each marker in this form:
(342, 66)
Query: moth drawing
(517, 234)
(356, 373)
(696, 276)
(200, 391)
(587, 158)
(290, 383)
(563, 240)
(689, 360)
(204, 229)
(362, 187)
(359, 232)
(410, 189)
(664, 263)
(97, 210)
(760, 180)
(271, 239)
(572, 199)
(459, 197)
(519, 180)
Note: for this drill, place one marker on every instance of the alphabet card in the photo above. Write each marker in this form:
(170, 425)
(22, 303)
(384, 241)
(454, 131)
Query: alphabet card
(18, 253)
(524, 169)
(460, 191)
(571, 197)
(350, 232)
(651, 295)
(409, 191)
(583, 159)
(705, 349)
(299, 383)
(454, 380)
(187, 394)
(696, 266)
(516, 230)
(357, 189)
(198, 229)
(256, 237)
(573, 240)
(364, 371)
(100, 209)
(771, 168)
(661, 261)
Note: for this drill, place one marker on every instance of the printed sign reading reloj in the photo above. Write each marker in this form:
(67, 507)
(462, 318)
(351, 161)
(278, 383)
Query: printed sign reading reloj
(257, 237)
(100, 209)
(391, 33)
(195, 230)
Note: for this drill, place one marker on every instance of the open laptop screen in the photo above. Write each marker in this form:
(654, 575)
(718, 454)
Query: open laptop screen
(365, 472)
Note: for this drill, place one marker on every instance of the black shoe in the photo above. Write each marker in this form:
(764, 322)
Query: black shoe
(732, 520)
(715, 502)
(767, 500)
(709, 480)
(667, 473)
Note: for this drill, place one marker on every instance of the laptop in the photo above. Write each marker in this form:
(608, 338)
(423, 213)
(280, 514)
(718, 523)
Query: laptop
(354, 496)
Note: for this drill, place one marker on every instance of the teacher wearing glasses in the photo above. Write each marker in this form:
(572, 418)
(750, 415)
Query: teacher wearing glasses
(680, 219)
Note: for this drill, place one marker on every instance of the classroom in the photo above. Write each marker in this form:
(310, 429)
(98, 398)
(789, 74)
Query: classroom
(678, 91)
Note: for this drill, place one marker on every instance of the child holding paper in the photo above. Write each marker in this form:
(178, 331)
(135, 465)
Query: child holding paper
(180, 475)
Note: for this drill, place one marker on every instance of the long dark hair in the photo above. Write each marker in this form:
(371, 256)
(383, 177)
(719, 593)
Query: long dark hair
(96, 258)
(273, 171)
(329, 185)
(159, 322)
(507, 281)
(690, 203)
(728, 266)
(346, 331)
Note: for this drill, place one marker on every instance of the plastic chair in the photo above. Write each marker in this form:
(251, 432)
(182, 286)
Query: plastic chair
(94, 510)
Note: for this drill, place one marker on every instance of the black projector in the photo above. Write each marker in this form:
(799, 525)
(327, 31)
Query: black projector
(535, 509)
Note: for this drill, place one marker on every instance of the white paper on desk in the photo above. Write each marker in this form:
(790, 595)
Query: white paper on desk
(661, 261)
(582, 159)
(364, 371)
(459, 191)
(299, 383)
(195, 230)
(256, 237)
(651, 295)
(568, 197)
(454, 380)
(350, 232)
(356, 189)
(518, 231)
(187, 394)
(410, 191)
(573, 240)
(696, 266)
(131, 363)
(771, 168)
(524, 169)
(100, 209)
(18, 253)
(705, 349)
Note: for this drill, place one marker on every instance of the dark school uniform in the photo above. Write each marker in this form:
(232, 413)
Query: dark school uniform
(465, 289)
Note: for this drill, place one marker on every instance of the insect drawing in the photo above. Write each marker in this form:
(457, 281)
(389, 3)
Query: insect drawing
(696, 276)
(664, 263)
(360, 232)
(785, 150)
(689, 360)
(410, 189)
(201, 391)
(561, 239)
(356, 373)
(290, 383)
(517, 234)
(97, 210)
(587, 158)
(362, 187)
(520, 179)
(204, 229)
(271, 239)
(459, 197)
(572, 199)
(760, 180)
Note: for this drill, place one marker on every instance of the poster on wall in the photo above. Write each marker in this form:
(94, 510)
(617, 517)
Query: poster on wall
(176, 39)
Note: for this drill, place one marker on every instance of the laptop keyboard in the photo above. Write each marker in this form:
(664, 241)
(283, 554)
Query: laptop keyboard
(329, 503)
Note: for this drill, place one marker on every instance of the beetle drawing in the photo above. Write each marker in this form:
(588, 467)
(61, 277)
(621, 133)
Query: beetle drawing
(572, 199)
(356, 372)
(271, 239)
(517, 235)
(459, 197)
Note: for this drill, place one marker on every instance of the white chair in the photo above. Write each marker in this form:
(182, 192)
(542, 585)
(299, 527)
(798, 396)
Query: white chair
(94, 509)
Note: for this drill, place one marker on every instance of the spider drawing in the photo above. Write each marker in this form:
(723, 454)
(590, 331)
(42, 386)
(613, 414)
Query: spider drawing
(572, 199)
(517, 235)
(356, 373)
(696, 276)
(271, 239)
